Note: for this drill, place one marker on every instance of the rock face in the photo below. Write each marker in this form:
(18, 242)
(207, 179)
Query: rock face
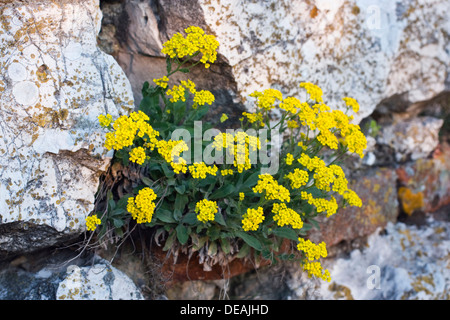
(54, 83)
(388, 55)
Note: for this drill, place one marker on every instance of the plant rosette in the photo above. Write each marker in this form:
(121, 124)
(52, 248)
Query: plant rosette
(232, 194)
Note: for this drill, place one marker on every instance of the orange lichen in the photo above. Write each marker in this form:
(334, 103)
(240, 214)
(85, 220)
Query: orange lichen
(410, 201)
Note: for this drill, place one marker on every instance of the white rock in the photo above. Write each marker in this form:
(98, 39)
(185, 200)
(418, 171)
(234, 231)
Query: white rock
(98, 282)
(54, 83)
(407, 262)
(366, 49)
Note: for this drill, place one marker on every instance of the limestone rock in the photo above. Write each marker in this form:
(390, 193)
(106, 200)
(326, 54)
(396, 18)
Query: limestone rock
(368, 50)
(405, 262)
(412, 139)
(54, 83)
(98, 282)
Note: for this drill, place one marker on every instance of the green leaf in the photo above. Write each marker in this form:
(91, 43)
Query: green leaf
(182, 234)
(219, 219)
(250, 240)
(212, 248)
(251, 181)
(243, 251)
(167, 172)
(181, 189)
(286, 232)
(190, 218)
(118, 222)
(147, 181)
(225, 245)
(164, 215)
(169, 240)
(222, 192)
(180, 205)
(213, 232)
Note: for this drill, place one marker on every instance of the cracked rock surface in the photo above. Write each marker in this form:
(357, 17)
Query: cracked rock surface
(54, 82)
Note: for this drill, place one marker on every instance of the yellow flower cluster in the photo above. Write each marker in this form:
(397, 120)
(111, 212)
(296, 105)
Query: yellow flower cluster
(321, 204)
(105, 121)
(199, 170)
(127, 128)
(351, 102)
(240, 145)
(315, 269)
(272, 189)
(298, 178)
(352, 198)
(266, 99)
(162, 82)
(254, 117)
(137, 155)
(291, 104)
(286, 216)
(177, 93)
(241, 196)
(315, 92)
(171, 151)
(206, 210)
(226, 172)
(252, 219)
(289, 159)
(292, 124)
(195, 41)
(92, 222)
(142, 206)
(312, 251)
(202, 97)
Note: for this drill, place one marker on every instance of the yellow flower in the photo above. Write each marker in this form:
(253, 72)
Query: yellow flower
(292, 124)
(226, 172)
(254, 117)
(355, 140)
(289, 159)
(350, 102)
(315, 269)
(206, 210)
(272, 189)
(321, 204)
(298, 178)
(199, 170)
(241, 196)
(126, 128)
(315, 93)
(177, 93)
(171, 152)
(252, 219)
(105, 121)
(286, 216)
(142, 206)
(312, 251)
(92, 222)
(202, 97)
(290, 104)
(137, 155)
(352, 198)
(162, 82)
(223, 117)
(266, 99)
(195, 41)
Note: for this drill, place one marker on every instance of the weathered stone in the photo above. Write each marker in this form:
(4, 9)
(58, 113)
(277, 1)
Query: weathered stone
(425, 183)
(54, 83)
(377, 190)
(98, 282)
(412, 139)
